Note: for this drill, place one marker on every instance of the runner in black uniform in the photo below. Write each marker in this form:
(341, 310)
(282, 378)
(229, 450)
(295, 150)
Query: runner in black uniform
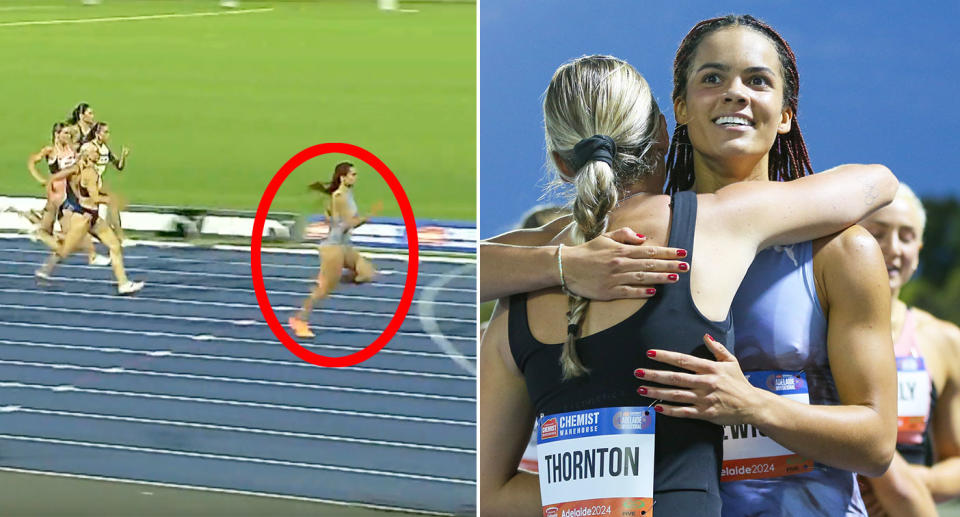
(83, 119)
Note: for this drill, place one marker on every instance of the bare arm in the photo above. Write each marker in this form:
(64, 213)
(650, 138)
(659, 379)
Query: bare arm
(504, 426)
(121, 162)
(774, 213)
(943, 478)
(32, 163)
(609, 267)
(901, 493)
(88, 179)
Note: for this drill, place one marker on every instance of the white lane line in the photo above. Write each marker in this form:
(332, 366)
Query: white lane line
(238, 380)
(296, 364)
(207, 338)
(248, 291)
(245, 264)
(221, 491)
(219, 275)
(240, 403)
(252, 430)
(242, 459)
(430, 326)
(134, 18)
(175, 301)
(379, 253)
(27, 7)
(225, 322)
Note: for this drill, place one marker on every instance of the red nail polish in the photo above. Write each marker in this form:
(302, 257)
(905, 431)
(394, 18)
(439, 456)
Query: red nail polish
(658, 409)
(711, 337)
(672, 276)
(638, 372)
(651, 353)
(651, 291)
(641, 390)
(683, 266)
(641, 236)
(681, 253)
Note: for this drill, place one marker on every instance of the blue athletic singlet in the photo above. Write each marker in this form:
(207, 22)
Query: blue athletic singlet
(780, 326)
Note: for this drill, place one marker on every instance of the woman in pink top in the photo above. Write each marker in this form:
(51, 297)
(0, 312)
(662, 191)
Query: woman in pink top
(927, 466)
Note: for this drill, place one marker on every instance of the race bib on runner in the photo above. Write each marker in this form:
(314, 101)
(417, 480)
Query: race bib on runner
(750, 454)
(913, 399)
(597, 462)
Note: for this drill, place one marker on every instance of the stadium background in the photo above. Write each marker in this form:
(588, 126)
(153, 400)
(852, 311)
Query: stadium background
(876, 86)
(212, 106)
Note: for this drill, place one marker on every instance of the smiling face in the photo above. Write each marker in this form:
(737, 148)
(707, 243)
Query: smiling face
(734, 102)
(898, 228)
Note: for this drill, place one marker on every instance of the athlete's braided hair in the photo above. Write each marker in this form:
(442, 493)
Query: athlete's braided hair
(788, 156)
(597, 95)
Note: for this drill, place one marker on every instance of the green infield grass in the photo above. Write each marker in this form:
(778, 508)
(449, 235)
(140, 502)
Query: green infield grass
(211, 105)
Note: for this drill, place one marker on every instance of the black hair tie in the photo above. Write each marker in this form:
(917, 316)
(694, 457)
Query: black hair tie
(573, 328)
(597, 148)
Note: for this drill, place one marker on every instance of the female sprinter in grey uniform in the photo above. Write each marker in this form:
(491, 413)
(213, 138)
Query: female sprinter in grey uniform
(81, 212)
(336, 252)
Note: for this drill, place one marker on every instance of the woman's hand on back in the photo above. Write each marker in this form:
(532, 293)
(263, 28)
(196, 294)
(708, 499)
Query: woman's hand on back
(617, 265)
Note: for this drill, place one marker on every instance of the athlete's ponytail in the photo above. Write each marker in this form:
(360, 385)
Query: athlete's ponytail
(78, 112)
(341, 170)
(601, 123)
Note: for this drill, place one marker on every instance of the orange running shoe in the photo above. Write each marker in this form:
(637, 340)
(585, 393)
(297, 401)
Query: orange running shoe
(300, 327)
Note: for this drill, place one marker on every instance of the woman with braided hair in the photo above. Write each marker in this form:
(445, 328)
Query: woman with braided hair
(606, 136)
(817, 311)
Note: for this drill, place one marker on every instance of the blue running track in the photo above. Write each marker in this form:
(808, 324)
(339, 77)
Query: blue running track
(184, 383)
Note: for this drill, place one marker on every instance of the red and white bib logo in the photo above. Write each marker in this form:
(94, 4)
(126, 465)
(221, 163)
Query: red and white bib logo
(549, 429)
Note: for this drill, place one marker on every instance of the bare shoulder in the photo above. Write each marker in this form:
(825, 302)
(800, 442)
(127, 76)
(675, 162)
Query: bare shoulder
(942, 334)
(853, 243)
(848, 265)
